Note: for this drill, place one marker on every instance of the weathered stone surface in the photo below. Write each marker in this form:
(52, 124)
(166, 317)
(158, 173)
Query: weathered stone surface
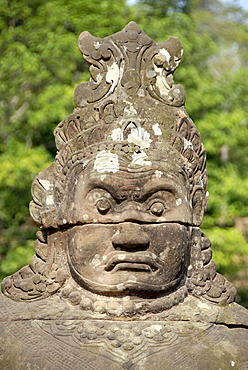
(123, 276)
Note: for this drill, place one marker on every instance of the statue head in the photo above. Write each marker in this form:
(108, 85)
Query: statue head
(120, 208)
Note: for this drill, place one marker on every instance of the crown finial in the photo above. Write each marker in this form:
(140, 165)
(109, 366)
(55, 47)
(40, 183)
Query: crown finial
(130, 62)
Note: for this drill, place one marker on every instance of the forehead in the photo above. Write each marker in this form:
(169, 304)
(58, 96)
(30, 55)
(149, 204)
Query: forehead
(144, 179)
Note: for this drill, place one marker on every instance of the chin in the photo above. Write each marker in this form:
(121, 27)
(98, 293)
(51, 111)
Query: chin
(132, 286)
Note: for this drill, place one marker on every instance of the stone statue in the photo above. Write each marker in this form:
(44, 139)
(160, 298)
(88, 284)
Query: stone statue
(123, 276)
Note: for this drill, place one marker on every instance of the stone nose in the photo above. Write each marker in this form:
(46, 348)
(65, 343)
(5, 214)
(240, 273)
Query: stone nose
(131, 212)
(131, 237)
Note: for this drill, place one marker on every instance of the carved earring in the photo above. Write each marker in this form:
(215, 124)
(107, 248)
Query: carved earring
(198, 205)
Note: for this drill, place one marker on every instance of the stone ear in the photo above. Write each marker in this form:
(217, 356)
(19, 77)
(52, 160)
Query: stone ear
(198, 205)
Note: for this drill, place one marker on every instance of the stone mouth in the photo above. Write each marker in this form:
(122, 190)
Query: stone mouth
(138, 262)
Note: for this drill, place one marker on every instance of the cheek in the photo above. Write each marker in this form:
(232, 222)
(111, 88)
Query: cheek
(174, 256)
(171, 243)
(87, 244)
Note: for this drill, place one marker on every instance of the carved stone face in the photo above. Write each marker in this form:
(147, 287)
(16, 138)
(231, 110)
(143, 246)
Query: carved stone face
(135, 237)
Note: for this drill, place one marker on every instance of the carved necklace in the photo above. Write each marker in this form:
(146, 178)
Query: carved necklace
(124, 306)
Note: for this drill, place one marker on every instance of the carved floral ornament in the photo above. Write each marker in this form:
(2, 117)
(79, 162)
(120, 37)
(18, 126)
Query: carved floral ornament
(129, 175)
(130, 60)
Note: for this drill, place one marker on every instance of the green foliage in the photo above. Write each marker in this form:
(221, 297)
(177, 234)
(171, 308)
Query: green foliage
(41, 65)
(19, 166)
(229, 249)
(17, 257)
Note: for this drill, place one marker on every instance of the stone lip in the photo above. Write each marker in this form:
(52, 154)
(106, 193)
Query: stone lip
(146, 261)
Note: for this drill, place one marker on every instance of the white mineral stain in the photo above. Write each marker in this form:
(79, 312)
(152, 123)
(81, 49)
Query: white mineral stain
(156, 327)
(156, 129)
(187, 144)
(106, 162)
(121, 257)
(130, 111)
(113, 73)
(204, 305)
(158, 174)
(98, 78)
(117, 134)
(178, 201)
(161, 82)
(97, 44)
(161, 219)
(151, 74)
(96, 260)
(49, 200)
(112, 76)
(132, 278)
(139, 136)
(140, 159)
(166, 54)
(120, 287)
(141, 92)
(45, 183)
(126, 298)
(85, 216)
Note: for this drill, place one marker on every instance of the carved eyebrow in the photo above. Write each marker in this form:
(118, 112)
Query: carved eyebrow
(146, 192)
(153, 190)
(106, 187)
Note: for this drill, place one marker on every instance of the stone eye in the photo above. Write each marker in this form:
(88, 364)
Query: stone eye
(157, 208)
(103, 206)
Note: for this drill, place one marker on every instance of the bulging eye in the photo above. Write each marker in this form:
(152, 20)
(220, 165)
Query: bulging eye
(157, 208)
(103, 206)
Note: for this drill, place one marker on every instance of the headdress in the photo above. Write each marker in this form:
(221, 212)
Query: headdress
(130, 108)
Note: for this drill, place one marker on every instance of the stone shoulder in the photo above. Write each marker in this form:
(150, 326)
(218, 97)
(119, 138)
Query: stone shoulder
(191, 310)
(233, 315)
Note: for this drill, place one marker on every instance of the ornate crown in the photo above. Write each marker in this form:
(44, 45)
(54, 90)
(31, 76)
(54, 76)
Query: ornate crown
(131, 107)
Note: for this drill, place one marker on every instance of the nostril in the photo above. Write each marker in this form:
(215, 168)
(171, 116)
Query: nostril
(131, 247)
(130, 237)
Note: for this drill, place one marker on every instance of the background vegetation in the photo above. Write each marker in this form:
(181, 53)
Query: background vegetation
(41, 65)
